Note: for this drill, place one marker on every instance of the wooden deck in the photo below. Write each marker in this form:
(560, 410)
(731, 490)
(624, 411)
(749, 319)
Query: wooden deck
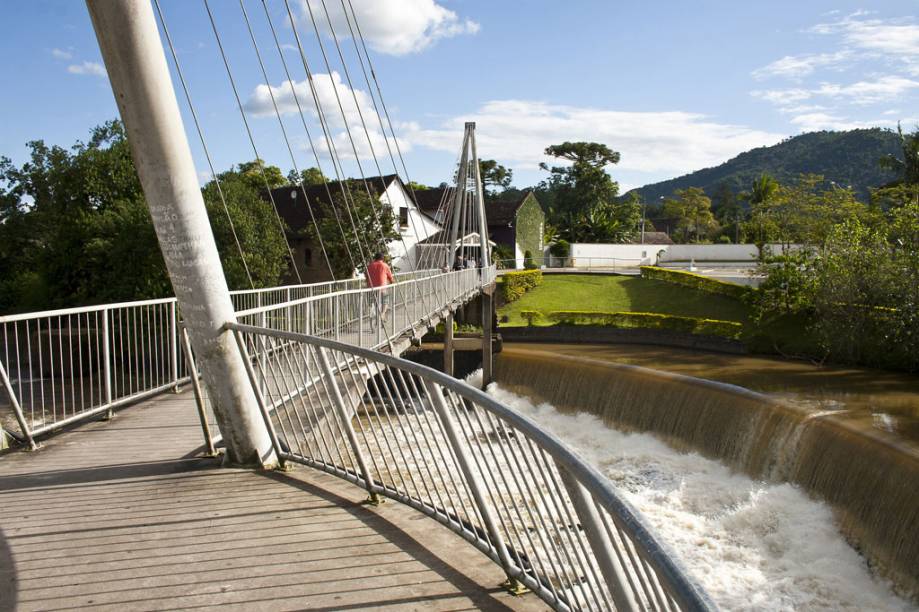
(126, 515)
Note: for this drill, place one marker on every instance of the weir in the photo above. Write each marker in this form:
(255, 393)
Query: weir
(864, 474)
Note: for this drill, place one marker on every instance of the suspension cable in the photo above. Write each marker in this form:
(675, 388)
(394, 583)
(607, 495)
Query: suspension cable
(309, 138)
(207, 153)
(341, 109)
(242, 112)
(325, 128)
(360, 36)
(284, 133)
(360, 114)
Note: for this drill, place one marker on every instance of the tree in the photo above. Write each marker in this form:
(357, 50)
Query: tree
(580, 199)
(373, 228)
(258, 174)
(309, 177)
(760, 226)
(692, 210)
(907, 169)
(75, 227)
(261, 237)
(728, 211)
(494, 175)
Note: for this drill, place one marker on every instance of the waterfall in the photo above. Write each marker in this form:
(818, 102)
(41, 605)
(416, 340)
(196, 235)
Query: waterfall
(869, 477)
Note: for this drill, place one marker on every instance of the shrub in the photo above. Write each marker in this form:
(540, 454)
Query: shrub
(528, 263)
(643, 320)
(561, 248)
(515, 284)
(696, 281)
(531, 316)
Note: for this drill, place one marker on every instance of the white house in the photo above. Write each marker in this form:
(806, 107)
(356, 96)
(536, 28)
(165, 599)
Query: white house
(413, 225)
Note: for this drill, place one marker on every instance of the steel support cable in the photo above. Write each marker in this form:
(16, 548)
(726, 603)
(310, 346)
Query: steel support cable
(242, 113)
(207, 154)
(347, 127)
(290, 150)
(360, 36)
(376, 110)
(360, 114)
(341, 108)
(323, 122)
(309, 136)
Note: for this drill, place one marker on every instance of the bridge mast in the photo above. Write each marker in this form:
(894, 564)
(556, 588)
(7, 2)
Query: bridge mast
(130, 44)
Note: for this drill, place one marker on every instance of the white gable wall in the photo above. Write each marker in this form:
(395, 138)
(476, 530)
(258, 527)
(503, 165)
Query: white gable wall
(420, 226)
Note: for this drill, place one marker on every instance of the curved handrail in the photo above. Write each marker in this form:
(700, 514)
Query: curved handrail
(678, 588)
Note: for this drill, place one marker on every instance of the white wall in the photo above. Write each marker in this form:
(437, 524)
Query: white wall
(716, 252)
(584, 255)
(597, 255)
(420, 226)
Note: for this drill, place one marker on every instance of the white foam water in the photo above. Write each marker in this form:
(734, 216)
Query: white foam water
(752, 545)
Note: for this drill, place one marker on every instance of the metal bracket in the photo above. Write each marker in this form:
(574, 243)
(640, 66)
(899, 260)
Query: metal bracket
(375, 499)
(514, 587)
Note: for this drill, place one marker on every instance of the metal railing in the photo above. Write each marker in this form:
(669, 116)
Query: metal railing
(60, 366)
(369, 317)
(516, 492)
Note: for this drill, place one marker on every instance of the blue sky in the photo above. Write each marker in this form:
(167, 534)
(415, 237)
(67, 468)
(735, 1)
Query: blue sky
(674, 86)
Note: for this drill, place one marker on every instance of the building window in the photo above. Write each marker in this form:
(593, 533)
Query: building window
(308, 258)
(403, 217)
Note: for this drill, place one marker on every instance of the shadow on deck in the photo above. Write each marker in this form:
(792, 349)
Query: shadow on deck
(125, 516)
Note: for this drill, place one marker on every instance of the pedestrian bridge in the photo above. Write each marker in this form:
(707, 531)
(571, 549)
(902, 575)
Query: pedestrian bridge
(134, 513)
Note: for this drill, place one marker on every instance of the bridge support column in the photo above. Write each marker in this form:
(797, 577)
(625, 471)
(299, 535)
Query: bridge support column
(136, 64)
(488, 315)
(448, 344)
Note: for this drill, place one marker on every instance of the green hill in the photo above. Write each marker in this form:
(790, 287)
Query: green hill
(848, 158)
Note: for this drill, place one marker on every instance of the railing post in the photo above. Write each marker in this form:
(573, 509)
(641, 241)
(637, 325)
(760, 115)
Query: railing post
(199, 395)
(107, 360)
(475, 485)
(360, 319)
(599, 541)
(342, 410)
(260, 399)
(17, 408)
(487, 355)
(448, 343)
(174, 344)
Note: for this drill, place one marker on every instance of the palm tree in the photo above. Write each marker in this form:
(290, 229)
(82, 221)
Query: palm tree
(763, 191)
(907, 169)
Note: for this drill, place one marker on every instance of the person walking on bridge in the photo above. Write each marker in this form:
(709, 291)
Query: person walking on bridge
(379, 275)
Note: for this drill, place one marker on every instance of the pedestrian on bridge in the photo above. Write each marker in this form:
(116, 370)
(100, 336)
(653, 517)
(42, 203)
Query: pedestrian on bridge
(379, 275)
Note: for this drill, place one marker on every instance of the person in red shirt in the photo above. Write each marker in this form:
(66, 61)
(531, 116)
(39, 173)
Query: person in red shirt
(379, 276)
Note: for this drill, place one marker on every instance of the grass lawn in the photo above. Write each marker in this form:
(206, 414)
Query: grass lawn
(597, 293)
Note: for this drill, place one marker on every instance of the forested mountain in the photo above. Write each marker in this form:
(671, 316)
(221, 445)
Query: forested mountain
(848, 158)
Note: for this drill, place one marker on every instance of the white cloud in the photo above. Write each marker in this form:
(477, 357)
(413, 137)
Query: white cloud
(663, 143)
(358, 113)
(396, 27)
(898, 37)
(887, 87)
(813, 122)
(61, 54)
(87, 68)
(798, 66)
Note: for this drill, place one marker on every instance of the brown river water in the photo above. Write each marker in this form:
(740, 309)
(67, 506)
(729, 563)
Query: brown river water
(884, 400)
(844, 437)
